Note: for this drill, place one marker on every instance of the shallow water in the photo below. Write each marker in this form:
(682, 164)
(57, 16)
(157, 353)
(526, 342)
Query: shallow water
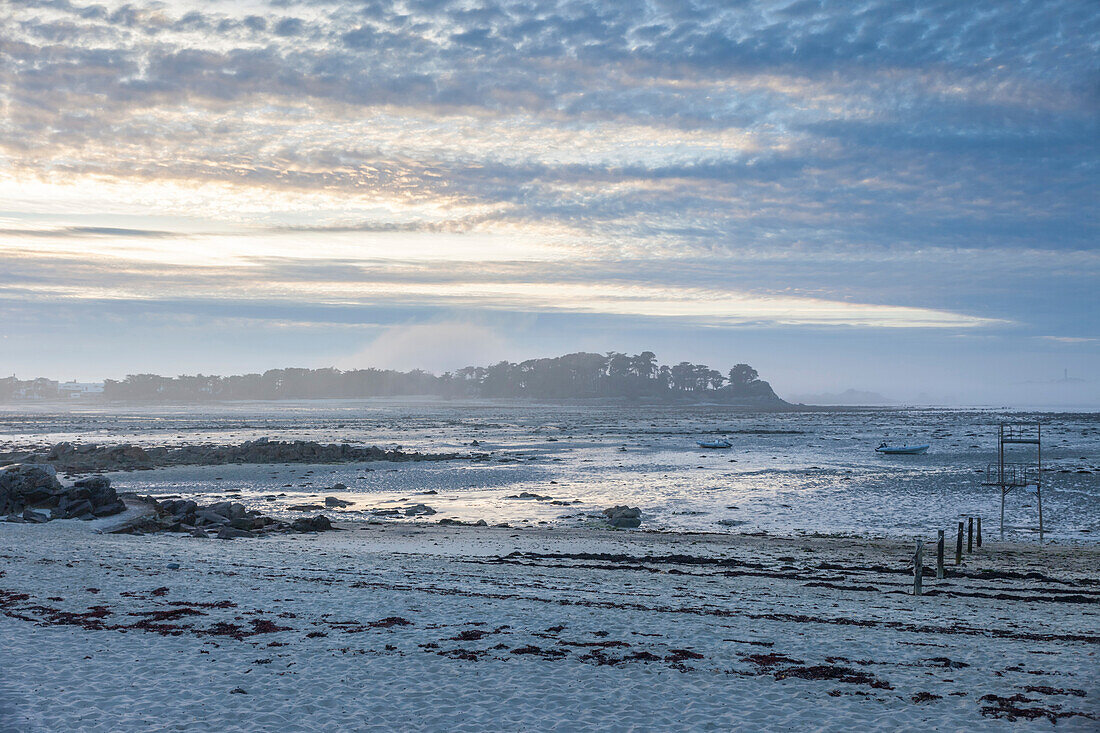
(804, 472)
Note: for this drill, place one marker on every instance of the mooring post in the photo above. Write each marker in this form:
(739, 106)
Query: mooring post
(939, 556)
(969, 535)
(918, 568)
(959, 546)
(979, 532)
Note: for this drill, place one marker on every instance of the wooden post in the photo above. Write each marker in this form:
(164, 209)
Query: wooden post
(969, 535)
(1039, 477)
(979, 532)
(959, 546)
(1001, 476)
(939, 557)
(918, 568)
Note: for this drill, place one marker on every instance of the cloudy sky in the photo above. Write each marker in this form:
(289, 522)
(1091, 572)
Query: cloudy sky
(887, 195)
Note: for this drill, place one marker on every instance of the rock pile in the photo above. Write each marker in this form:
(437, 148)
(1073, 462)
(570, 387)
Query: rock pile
(26, 487)
(623, 516)
(228, 520)
(72, 458)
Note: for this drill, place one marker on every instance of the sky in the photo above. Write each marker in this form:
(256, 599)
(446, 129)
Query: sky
(883, 195)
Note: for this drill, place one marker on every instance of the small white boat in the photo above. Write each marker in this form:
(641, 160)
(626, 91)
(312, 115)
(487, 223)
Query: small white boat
(716, 443)
(902, 450)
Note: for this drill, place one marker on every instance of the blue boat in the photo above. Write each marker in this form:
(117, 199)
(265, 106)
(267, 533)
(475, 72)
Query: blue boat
(716, 443)
(902, 450)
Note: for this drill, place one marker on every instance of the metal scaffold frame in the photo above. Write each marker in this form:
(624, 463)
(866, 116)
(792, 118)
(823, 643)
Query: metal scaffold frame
(1009, 476)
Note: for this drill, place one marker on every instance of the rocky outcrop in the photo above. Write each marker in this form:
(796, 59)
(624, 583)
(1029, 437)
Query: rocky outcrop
(72, 458)
(26, 487)
(227, 520)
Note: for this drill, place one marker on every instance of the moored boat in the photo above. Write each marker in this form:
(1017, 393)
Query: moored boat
(716, 443)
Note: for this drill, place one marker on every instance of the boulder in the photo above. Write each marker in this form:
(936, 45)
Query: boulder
(333, 501)
(93, 483)
(68, 509)
(24, 485)
(205, 516)
(59, 451)
(222, 508)
(305, 507)
(108, 510)
(320, 523)
(623, 516)
(418, 509)
(625, 522)
(231, 533)
(36, 517)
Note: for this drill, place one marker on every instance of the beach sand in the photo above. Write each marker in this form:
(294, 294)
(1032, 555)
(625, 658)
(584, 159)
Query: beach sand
(423, 627)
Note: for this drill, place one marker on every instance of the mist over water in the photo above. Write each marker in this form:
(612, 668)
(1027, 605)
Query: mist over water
(787, 473)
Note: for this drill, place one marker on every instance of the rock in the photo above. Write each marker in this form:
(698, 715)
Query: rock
(305, 507)
(231, 533)
(108, 510)
(527, 495)
(333, 501)
(93, 483)
(173, 566)
(24, 485)
(222, 508)
(58, 451)
(205, 516)
(36, 517)
(68, 509)
(339, 487)
(418, 509)
(200, 533)
(623, 516)
(242, 523)
(625, 522)
(320, 523)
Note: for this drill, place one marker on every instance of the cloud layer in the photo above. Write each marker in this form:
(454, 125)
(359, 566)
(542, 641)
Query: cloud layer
(921, 164)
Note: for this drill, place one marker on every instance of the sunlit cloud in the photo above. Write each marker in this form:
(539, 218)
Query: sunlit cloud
(729, 166)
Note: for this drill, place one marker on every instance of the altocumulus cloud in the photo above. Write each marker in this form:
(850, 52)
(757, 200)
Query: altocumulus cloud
(758, 163)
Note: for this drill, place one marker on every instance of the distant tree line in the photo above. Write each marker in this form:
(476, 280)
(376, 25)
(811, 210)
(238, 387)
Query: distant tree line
(28, 389)
(573, 376)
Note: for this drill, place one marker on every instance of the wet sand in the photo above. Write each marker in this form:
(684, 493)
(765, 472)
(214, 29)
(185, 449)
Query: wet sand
(417, 626)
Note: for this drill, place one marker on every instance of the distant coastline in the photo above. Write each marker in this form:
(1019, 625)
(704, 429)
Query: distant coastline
(583, 377)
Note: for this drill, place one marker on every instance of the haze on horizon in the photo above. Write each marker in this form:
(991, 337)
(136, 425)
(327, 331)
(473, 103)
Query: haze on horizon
(894, 197)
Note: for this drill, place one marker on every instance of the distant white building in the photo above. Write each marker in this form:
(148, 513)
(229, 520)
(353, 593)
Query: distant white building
(77, 390)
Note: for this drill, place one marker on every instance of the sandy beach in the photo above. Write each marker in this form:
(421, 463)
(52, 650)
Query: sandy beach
(424, 627)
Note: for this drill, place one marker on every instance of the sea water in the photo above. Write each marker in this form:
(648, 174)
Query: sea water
(787, 473)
